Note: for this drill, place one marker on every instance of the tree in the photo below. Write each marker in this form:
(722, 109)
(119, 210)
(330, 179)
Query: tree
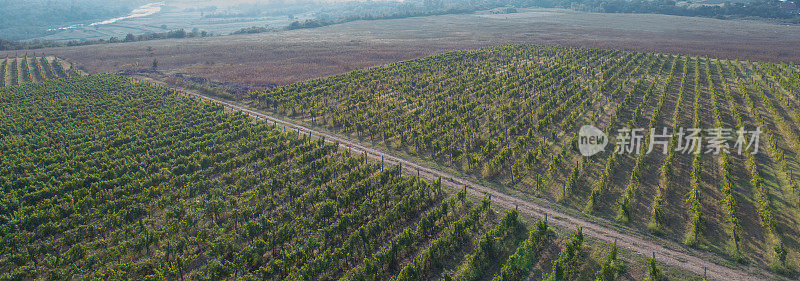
(155, 64)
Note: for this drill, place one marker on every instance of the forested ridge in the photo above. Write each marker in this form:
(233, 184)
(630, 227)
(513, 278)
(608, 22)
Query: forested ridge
(510, 115)
(105, 178)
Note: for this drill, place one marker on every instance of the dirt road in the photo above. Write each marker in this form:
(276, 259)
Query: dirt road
(687, 259)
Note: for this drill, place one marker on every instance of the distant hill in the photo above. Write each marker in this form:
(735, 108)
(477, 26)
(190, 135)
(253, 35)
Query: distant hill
(22, 20)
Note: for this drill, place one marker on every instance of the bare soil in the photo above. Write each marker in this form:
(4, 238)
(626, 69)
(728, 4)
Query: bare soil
(290, 56)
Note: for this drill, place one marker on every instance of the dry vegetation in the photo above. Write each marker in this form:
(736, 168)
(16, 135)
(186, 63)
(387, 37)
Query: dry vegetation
(290, 56)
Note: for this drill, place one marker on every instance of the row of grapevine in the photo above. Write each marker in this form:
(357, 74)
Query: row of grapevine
(47, 67)
(36, 71)
(500, 159)
(759, 185)
(657, 213)
(3, 67)
(104, 178)
(15, 71)
(693, 199)
(759, 189)
(176, 182)
(667, 171)
(510, 115)
(787, 130)
(431, 258)
(519, 264)
(27, 76)
(605, 178)
(626, 201)
(763, 197)
(495, 244)
(565, 267)
(384, 259)
(729, 203)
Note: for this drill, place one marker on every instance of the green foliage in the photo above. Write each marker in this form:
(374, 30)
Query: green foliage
(779, 264)
(3, 72)
(624, 209)
(112, 177)
(657, 208)
(511, 114)
(491, 246)
(519, 264)
(653, 272)
(122, 180)
(566, 266)
(611, 268)
(432, 257)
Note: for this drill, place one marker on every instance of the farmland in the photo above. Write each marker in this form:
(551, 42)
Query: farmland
(16, 71)
(122, 180)
(510, 114)
(460, 145)
(287, 57)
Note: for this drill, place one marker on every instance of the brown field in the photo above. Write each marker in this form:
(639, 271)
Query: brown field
(290, 56)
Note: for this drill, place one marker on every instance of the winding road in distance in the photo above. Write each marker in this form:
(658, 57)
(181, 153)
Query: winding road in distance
(687, 259)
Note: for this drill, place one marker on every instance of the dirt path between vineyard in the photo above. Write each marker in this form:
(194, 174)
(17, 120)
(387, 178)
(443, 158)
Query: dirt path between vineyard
(678, 256)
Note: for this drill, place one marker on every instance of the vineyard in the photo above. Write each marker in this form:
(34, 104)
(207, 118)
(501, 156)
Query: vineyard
(103, 178)
(16, 71)
(510, 115)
